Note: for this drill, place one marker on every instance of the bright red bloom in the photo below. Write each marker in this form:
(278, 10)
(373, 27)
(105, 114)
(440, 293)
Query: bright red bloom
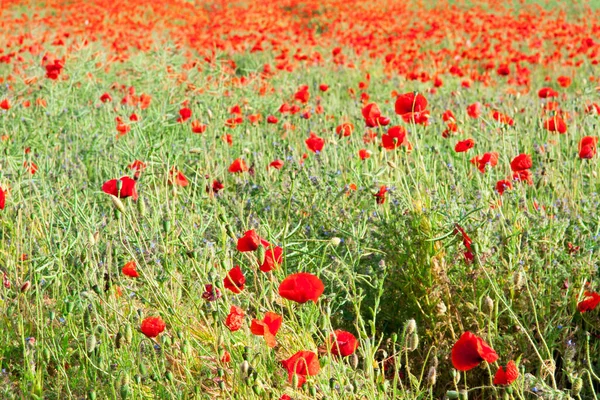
(490, 159)
(547, 92)
(587, 147)
(302, 95)
(54, 69)
(277, 164)
(380, 196)
(250, 241)
(137, 166)
(556, 124)
(238, 166)
(226, 357)
(302, 363)
(130, 270)
(448, 115)
(506, 375)
(343, 343)
(523, 176)
(502, 118)
(301, 287)
(503, 70)
(5, 104)
(564, 81)
(235, 319)
(211, 293)
(364, 154)
(235, 280)
(215, 187)
(395, 137)
(345, 129)
(314, 143)
(105, 98)
(323, 87)
(2, 199)
(177, 178)
(273, 258)
(469, 351)
(198, 127)
(502, 185)
(474, 110)
(267, 327)
(410, 103)
(152, 326)
(521, 162)
(271, 119)
(123, 187)
(464, 145)
(589, 303)
(184, 114)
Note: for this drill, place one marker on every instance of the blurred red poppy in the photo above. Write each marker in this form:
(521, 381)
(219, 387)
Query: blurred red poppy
(277, 164)
(587, 147)
(314, 143)
(474, 110)
(123, 187)
(589, 303)
(464, 145)
(469, 351)
(301, 287)
(521, 162)
(343, 343)
(302, 363)
(394, 137)
(238, 166)
(130, 269)
(503, 185)
(234, 319)
(273, 258)
(411, 102)
(235, 280)
(490, 159)
(267, 327)
(556, 124)
(380, 195)
(184, 114)
(506, 375)
(152, 326)
(250, 241)
(177, 178)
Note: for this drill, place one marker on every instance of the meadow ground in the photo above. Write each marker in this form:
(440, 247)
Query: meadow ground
(299, 199)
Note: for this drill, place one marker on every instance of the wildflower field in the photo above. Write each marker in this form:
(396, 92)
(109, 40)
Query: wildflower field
(299, 199)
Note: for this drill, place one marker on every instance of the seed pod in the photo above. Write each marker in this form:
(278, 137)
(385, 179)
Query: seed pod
(431, 376)
(413, 342)
(410, 326)
(128, 334)
(125, 391)
(488, 305)
(90, 343)
(117, 203)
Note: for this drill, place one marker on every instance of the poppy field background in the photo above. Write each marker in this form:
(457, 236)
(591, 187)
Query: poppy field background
(299, 199)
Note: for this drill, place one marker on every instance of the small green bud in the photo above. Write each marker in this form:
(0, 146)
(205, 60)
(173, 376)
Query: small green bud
(90, 343)
(125, 391)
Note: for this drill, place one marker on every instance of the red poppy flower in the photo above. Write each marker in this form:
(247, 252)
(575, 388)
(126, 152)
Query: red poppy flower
(503, 185)
(235, 319)
(134, 117)
(523, 176)
(344, 343)
(302, 363)
(54, 69)
(235, 110)
(211, 293)
(314, 143)
(345, 129)
(105, 98)
(277, 164)
(152, 326)
(547, 92)
(198, 127)
(564, 81)
(503, 70)
(271, 119)
(215, 187)
(556, 124)
(372, 116)
(380, 196)
(238, 166)
(226, 357)
(464, 145)
(250, 241)
(490, 159)
(448, 115)
(302, 95)
(323, 87)
(130, 270)
(421, 118)
(184, 114)
(2, 199)
(474, 110)
(506, 375)
(364, 154)
(502, 118)
(268, 327)
(589, 303)
(521, 162)
(273, 258)
(31, 167)
(587, 147)
(5, 104)
(177, 178)
(301, 287)
(123, 187)
(235, 280)
(137, 166)
(410, 103)
(469, 351)
(394, 137)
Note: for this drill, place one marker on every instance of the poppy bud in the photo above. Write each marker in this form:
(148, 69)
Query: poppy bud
(410, 326)
(128, 334)
(221, 372)
(455, 376)
(143, 369)
(125, 379)
(244, 367)
(313, 391)
(222, 385)
(391, 165)
(260, 254)
(295, 380)
(52, 315)
(488, 305)
(169, 376)
(413, 342)
(137, 378)
(452, 394)
(166, 341)
(91, 239)
(118, 339)
(118, 204)
(125, 392)
(91, 395)
(246, 355)
(90, 343)
(141, 206)
(257, 389)
(196, 150)
(431, 376)
(354, 361)
(25, 287)
(166, 223)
